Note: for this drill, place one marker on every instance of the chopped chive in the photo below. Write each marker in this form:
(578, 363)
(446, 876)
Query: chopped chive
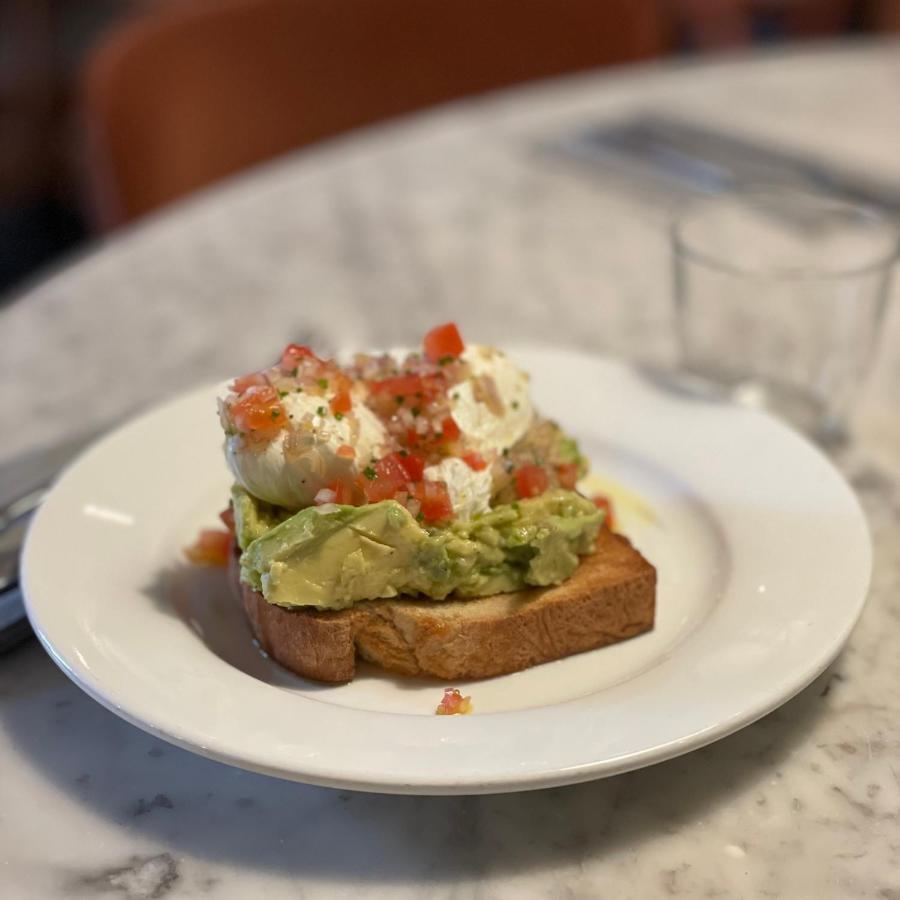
(275, 413)
(282, 394)
(323, 383)
(446, 360)
(416, 411)
(339, 416)
(399, 399)
(294, 371)
(515, 404)
(404, 452)
(370, 473)
(320, 411)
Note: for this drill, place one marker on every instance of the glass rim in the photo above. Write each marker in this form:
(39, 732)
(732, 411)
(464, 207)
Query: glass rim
(683, 247)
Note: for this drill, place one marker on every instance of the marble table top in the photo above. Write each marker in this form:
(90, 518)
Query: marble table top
(365, 241)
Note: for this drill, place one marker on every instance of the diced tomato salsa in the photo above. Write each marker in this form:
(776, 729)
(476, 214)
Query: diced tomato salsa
(411, 398)
(606, 505)
(258, 412)
(434, 500)
(475, 461)
(341, 403)
(211, 548)
(454, 704)
(443, 343)
(531, 480)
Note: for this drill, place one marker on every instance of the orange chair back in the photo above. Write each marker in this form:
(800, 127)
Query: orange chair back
(195, 91)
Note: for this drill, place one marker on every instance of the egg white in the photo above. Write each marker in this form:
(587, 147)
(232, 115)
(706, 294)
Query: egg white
(470, 491)
(293, 479)
(486, 431)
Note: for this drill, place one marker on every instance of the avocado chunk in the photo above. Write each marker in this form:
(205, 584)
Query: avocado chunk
(252, 517)
(331, 557)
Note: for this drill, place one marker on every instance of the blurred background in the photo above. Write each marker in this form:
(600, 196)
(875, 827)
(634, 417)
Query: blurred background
(109, 109)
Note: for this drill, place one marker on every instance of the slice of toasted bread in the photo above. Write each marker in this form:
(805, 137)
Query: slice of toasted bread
(610, 597)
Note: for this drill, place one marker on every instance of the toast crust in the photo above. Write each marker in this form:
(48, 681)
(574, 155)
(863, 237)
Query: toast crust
(610, 597)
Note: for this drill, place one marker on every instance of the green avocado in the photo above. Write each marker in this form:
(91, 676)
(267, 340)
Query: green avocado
(334, 556)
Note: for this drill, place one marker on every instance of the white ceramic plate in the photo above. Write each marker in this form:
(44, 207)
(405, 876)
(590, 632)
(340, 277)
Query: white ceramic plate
(762, 551)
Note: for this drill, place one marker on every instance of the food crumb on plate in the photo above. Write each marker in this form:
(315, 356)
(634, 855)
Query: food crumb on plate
(454, 704)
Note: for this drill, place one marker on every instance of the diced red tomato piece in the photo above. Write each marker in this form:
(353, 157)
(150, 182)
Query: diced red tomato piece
(442, 342)
(340, 381)
(343, 493)
(413, 438)
(400, 386)
(453, 703)
(449, 430)
(292, 356)
(341, 402)
(241, 384)
(413, 464)
(345, 451)
(531, 480)
(475, 461)
(434, 500)
(336, 492)
(211, 548)
(389, 478)
(259, 411)
(605, 504)
(227, 517)
(567, 473)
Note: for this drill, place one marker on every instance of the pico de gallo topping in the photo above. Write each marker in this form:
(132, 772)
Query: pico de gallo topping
(411, 399)
(604, 503)
(211, 548)
(453, 704)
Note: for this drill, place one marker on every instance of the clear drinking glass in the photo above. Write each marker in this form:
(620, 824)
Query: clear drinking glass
(779, 300)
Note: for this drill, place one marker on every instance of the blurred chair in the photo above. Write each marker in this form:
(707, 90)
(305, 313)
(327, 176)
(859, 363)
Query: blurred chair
(194, 91)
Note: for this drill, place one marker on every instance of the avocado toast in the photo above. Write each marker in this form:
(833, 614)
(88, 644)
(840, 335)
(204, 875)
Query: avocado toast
(416, 511)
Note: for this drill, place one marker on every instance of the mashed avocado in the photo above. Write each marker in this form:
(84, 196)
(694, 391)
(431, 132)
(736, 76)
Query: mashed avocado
(332, 556)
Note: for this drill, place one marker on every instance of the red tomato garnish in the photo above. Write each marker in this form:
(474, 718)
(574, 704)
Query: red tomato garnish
(531, 480)
(389, 478)
(259, 411)
(442, 342)
(345, 451)
(453, 703)
(239, 385)
(343, 493)
(341, 402)
(475, 461)
(211, 548)
(567, 473)
(434, 499)
(227, 517)
(400, 386)
(413, 464)
(413, 438)
(449, 430)
(293, 354)
(605, 504)
(336, 492)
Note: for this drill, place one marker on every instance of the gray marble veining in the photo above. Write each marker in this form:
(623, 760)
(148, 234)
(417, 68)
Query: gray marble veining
(366, 242)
